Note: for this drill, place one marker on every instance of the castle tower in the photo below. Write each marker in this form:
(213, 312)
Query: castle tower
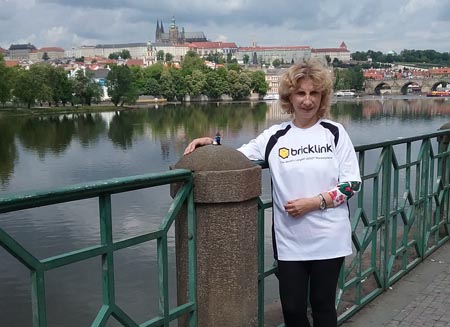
(173, 32)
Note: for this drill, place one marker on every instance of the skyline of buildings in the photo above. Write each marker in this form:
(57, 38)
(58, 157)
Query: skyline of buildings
(177, 42)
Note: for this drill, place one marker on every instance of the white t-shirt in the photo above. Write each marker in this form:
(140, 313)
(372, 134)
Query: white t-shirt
(304, 163)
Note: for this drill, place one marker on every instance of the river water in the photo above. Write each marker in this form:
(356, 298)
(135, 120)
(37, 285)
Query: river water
(42, 152)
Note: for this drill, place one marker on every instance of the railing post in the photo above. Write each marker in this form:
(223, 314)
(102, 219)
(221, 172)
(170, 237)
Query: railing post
(444, 141)
(226, 190)
(386, 212)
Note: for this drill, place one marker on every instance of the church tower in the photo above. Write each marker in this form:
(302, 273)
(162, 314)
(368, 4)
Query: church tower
(173, 33)
(158, 32)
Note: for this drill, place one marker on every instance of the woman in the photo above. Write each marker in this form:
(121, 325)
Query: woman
(314, 171)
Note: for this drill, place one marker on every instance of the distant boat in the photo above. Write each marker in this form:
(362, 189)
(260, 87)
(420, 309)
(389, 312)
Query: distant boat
(272, 96)
(344, 93)
(444, 93)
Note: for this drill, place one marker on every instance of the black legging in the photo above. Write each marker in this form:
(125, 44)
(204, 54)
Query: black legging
(322, 276)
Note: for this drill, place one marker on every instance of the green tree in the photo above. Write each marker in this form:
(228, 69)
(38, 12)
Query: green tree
(234, 66)
(259, 84)
(195, 83)
(45, 56)
(246, 59)
(60, 85)
(216, 83)
(169, 57)
(85, 90)
(359, 56)
(152, 87)
(124, 54)
(276, 63)
(121, 87)
(240, 84)
(178, 79)
(357, 78)
(32, 85)
(160, 56)
(191, 62)
(6, 81)
(229, 57)
(167, 86)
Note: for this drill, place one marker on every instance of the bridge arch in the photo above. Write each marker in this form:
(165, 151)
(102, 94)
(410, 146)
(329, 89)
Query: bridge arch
(410, 87)
(443, 82)
(398, 86)
(382, 88)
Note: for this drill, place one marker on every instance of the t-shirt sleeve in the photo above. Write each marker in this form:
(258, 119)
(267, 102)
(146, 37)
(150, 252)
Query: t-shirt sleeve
(348, 161)
(255, 149)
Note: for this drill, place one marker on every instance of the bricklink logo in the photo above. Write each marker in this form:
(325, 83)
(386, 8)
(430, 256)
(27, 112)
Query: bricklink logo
(284, 153)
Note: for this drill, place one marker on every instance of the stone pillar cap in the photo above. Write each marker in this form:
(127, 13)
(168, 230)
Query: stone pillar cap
(214, 158)
(221, 174)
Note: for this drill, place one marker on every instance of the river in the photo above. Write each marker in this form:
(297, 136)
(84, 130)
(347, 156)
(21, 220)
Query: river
(49, 151)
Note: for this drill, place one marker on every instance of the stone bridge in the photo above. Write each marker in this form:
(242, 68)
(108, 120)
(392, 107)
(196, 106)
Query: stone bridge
(400, 86)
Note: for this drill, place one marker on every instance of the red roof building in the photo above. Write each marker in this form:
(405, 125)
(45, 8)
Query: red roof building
(341, 53)
(135, 62)
(206, 48)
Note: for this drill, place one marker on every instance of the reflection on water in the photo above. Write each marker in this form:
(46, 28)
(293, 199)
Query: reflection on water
(52, 151)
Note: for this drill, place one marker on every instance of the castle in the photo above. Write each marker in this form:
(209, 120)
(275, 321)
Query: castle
(175, 36)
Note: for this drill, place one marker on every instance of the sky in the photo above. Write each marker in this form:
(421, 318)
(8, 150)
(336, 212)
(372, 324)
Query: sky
(381, 25)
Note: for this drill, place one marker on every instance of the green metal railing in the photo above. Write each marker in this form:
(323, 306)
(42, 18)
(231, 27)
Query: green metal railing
(107, 247)
(400, 217)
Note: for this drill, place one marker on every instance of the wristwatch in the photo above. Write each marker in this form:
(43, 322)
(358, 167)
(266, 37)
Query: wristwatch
(323, 204)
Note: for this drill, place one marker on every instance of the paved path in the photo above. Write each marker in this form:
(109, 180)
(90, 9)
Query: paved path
(421, 298)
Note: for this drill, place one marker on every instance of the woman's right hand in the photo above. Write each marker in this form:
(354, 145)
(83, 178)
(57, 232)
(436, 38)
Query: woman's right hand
(201, 141)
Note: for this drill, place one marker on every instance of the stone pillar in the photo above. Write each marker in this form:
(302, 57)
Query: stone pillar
(226, 189)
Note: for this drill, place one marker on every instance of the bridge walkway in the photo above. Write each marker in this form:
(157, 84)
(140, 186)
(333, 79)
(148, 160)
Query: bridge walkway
(421, 298)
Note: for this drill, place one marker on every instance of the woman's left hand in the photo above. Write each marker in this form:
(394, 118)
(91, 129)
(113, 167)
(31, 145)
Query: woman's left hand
(299, 207)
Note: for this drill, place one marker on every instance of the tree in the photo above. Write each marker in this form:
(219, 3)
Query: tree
(26, 88)
(60, 85)
(121, 87)
(229, 57)
(124, 54)
(180, 84)
(85, 90)
(160, 56)
(195, 83)
(169, 57)
(173, 84)
(154, 71)
(152, 87)
(167, 87)
(328, 59)
(245, 59)
(216, 83)
(6, 82)
(45, 56)
(259, 84)
(191, 62)
(276, 63)
(240, 84)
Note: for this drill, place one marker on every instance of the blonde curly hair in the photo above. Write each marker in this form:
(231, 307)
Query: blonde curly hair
(321, 77)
